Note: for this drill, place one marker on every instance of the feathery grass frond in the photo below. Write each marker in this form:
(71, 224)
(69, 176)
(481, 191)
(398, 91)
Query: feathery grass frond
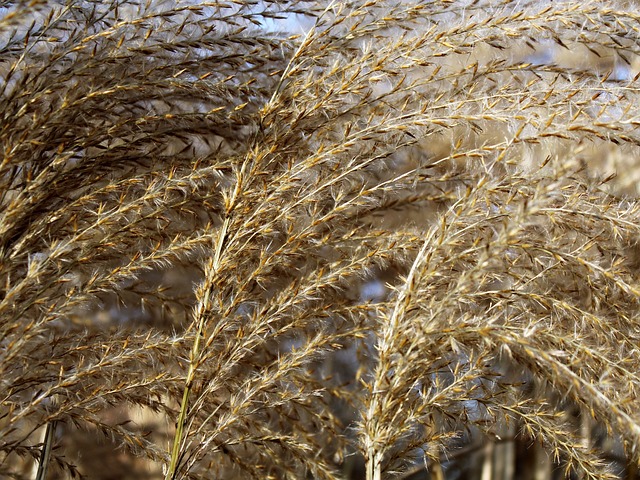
(277, 239)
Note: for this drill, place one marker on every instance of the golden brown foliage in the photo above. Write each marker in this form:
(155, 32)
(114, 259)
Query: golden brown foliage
(197, 199)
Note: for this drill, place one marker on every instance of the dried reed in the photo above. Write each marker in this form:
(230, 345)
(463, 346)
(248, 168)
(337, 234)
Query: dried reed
(194, 197)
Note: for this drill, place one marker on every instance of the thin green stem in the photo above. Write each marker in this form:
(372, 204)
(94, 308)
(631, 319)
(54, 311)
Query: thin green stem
(45, 454)
(194, 358)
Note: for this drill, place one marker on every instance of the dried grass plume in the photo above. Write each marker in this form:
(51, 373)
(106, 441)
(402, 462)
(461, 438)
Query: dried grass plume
(284, 239)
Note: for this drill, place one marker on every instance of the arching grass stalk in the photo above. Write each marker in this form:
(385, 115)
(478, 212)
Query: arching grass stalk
(194, 358)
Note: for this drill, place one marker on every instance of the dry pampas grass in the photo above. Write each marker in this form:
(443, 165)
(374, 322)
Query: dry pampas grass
(285, 239)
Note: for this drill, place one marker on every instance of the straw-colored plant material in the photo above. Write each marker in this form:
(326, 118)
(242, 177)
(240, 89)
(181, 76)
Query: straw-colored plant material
(293, 234)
